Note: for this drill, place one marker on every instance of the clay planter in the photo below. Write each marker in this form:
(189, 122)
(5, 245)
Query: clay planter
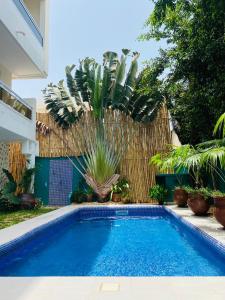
(160, 202)
(116, 197)
(180, 197)
(219, 212)
(28, 201)
(198, 204)
(89, 197)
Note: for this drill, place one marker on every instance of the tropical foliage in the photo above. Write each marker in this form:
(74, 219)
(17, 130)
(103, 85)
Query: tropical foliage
(95, 87)
(196, 160)
(194, 84)
(220, 126)
(11, 191)
(122, 186)
(8, 198)
(25, 184)
(101, 160)
(158, 193)
(207, 157)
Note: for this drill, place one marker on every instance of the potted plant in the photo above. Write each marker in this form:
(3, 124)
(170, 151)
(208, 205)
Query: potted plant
(219, 202)
(199, 200)
(180, 196)
(89, 194)
(120, 190)
(158, 193)
(116, 194)
(125, 197)
(78, 197)
(173, 160)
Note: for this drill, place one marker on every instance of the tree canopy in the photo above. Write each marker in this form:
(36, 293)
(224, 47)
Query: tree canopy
(195, 78)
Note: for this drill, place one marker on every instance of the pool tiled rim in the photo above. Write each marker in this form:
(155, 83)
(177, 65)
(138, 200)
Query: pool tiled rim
(89, 288)
(15, 235)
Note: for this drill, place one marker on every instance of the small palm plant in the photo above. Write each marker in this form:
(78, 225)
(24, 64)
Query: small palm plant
(196, 160)
(213, 151)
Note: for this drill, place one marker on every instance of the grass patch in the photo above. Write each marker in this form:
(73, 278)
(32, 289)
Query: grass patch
(10, 218)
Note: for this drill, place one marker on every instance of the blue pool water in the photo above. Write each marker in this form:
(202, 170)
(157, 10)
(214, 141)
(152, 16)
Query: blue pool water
(154, 245)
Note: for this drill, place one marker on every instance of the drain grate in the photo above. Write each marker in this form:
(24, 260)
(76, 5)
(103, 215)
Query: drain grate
(109, 287)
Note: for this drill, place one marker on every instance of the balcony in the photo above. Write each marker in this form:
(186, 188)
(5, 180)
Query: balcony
(14, 101)
(29, 19)
(17, 121)
(23, 33)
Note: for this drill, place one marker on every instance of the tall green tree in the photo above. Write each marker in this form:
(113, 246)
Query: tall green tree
(195, 85)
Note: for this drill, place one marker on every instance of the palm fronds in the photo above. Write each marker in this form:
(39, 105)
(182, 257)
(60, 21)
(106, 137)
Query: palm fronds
(211, 144)
(101, 160)
(220, 125)
(95, 87)
(91, 86)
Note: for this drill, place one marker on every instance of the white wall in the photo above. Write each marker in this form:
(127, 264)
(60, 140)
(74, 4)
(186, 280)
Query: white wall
(5, 76)
(34, 8)
(14, 126)
(21, 52)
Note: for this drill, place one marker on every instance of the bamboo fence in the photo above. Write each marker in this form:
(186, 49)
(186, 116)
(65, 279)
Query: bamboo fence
(17, 161)
(142, 141)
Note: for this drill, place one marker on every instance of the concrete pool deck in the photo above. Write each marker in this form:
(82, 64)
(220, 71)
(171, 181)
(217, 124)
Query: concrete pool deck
(103, 288)
(116, 288)
(206, 223)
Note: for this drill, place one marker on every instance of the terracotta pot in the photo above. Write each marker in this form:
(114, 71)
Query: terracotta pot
(198, 204)
(180, 197)
(219, 212)
(116, 197)
(102, 199)
(160, 202)
(28, 201)
(89, 197)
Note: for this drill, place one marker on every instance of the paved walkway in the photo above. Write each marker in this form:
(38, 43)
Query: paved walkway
(120, 288)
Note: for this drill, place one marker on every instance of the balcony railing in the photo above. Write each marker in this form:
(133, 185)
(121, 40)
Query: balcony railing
(14, 101)
(29, 19)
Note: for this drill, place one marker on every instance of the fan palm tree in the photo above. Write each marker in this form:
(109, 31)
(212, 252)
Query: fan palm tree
(92, 86)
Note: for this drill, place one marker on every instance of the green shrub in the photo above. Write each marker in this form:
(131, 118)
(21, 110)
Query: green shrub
(158, 193)
(122, 187)
(218, 194)
(205, 192)
(9, 201)
(78, 197)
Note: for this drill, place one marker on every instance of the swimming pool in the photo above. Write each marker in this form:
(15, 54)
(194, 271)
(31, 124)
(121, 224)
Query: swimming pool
(114, 241)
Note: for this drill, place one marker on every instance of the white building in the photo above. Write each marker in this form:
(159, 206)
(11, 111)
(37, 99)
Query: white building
(23, 54)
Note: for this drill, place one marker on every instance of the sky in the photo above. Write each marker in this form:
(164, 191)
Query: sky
(81, 28)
